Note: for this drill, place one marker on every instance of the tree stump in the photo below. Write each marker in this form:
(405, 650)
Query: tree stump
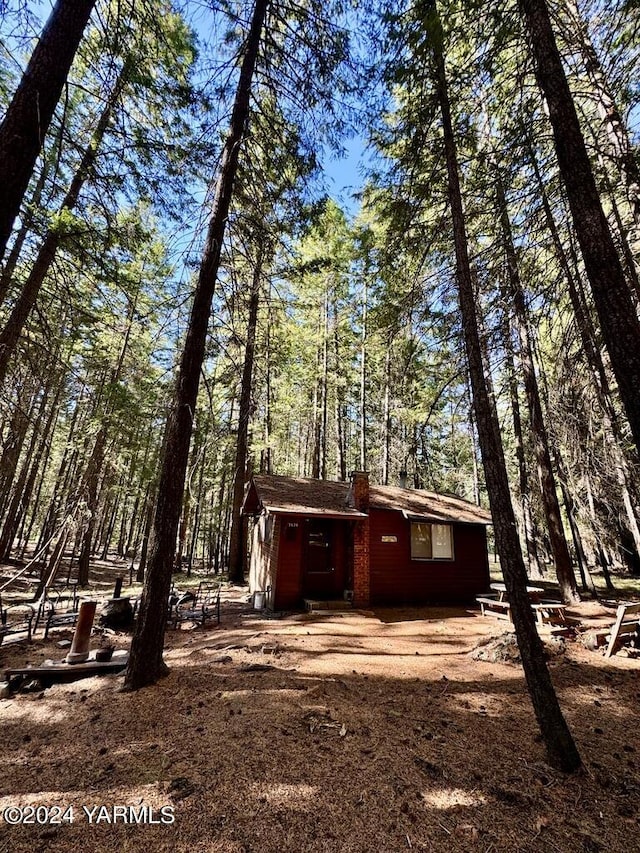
(117, 613)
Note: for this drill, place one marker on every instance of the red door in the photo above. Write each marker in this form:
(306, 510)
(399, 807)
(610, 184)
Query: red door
(322, 578)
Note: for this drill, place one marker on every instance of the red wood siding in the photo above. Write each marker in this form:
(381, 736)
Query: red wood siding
(397, 579)
(394, 577)
(289, 585)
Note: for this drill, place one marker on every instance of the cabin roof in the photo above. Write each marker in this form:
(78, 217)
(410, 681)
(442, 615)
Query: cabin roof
(328, 498)
(299, 496)
(419, 503)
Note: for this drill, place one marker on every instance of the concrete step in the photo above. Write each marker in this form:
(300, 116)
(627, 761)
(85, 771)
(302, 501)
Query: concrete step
(313, 605)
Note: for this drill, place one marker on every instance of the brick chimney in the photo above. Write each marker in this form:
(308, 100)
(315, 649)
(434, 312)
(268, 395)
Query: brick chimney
(358, 496)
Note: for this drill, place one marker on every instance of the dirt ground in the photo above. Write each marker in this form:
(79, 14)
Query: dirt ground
(341, 732)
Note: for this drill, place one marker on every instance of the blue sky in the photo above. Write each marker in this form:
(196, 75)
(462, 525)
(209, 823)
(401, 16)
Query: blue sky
(345, 174)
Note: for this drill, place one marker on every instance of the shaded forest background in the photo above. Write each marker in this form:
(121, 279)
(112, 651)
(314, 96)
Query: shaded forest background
(335, 340)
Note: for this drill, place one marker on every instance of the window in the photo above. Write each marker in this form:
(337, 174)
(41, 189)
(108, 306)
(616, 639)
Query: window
(420, 541)
(269, 524)
(431, 541)
(442, 542)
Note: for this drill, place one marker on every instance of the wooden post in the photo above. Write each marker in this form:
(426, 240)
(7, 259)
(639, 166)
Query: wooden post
(79, 651)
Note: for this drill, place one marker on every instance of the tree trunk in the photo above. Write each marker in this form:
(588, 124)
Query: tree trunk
(27, 119)
(559, 547)
(145, 662)
(236, 543)
(474, 453)
(183, 528)
(10, 334)
(535, 569)
(37, 476)
(106, 534)
(137, 523)
(265, 456)
(222, 489)
(49, 573)
(620, 233)
(585, 575)
(325, 387)
(65, 468)
(12, 445)
(600, 555)
(26, 223)
(26, 481)
(620, 149)
(386, 416)
(560, 746)
(317, 421)
(127, 515)
(618, 318)
(363, 380)
(89, 492)
(340, 417)
(128, 526)
(593, 356)
(148, 520)
(195, 528)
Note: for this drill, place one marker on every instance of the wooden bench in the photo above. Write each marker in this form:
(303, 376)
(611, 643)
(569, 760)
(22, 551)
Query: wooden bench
(200, 607)
(534, 592)
(626, 626)
(546, 611)
(549, 612)
(490, 606)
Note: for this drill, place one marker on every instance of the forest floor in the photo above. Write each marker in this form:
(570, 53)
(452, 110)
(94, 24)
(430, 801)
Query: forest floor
(365, 731)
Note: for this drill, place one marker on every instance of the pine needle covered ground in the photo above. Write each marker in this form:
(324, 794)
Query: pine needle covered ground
(357, 732)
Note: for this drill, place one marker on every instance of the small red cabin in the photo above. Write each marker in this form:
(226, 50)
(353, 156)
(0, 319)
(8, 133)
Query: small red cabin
(377, 545)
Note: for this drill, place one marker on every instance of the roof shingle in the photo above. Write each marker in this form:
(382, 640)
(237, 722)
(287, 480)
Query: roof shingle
(306, 496)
